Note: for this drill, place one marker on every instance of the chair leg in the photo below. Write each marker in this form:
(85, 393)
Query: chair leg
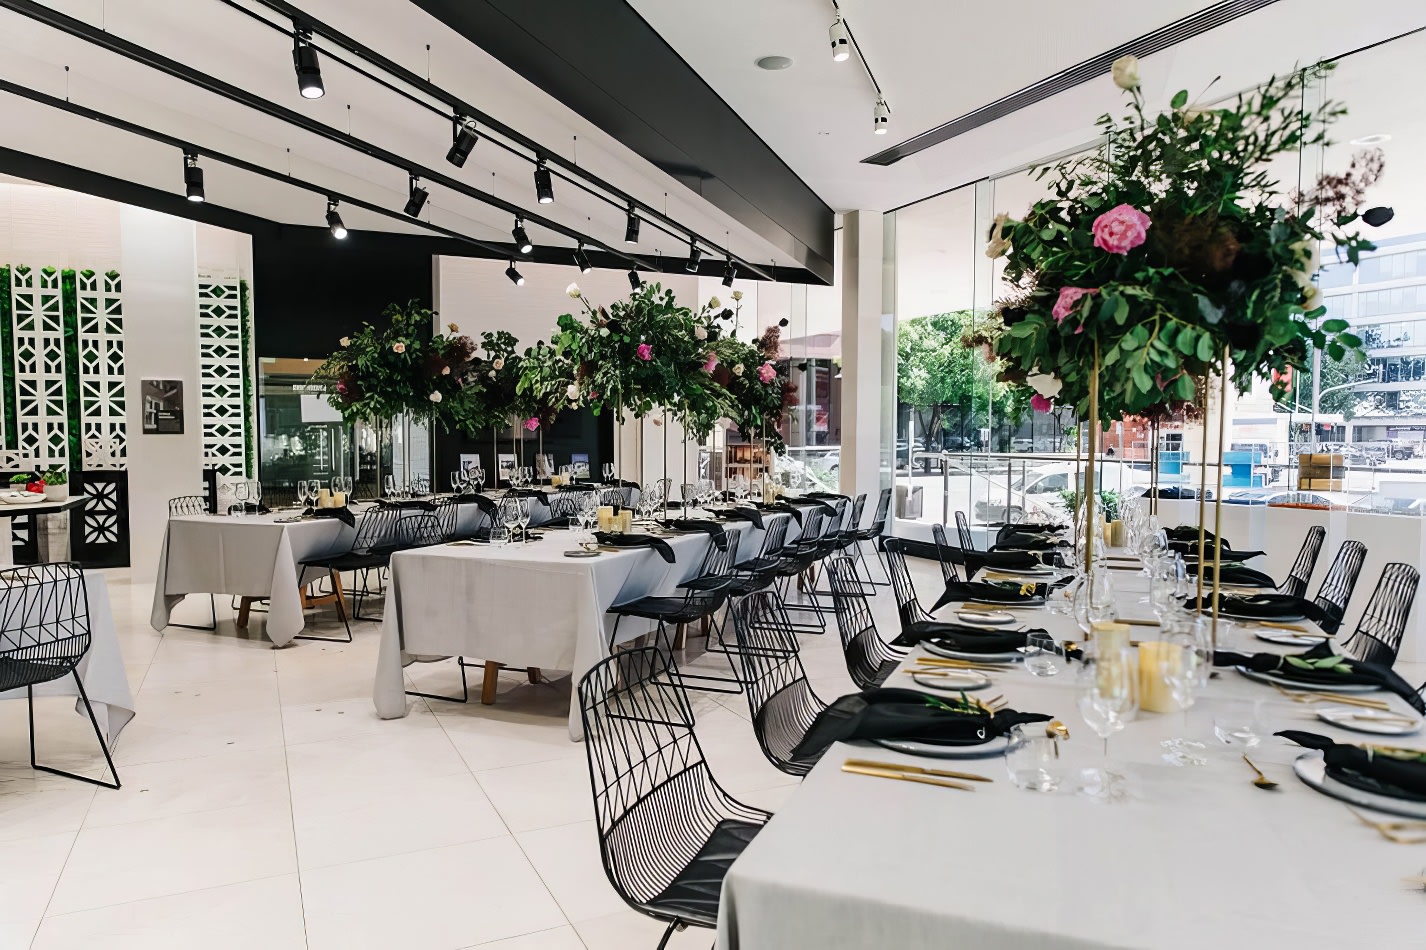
(489, 683)
(212, 609)
(672, 926)
(98, 734)
(464, 696)
(341, 612)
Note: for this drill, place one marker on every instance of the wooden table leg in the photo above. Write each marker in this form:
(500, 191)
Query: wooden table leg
(489, 683)
(680, 637)
(533, 672)
(245, 606)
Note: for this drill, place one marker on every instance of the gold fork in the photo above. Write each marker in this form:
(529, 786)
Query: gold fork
(1399, 832)
(1303, 696)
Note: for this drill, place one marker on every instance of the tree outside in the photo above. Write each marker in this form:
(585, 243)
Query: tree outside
(944, 382)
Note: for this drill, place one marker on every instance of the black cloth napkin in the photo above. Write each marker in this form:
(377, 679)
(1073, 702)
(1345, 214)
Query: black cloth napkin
(1233, 573)
(1189, 533)
(711, 528)
(827, 495)
(1005, 560)
(528, 493)
(807, 501)
(962, 637)
(487, 505)
(410, 504)
(636, 541)
(1259, 606)
(890, 713)
(984, 591)
(1190, 553)
(741, 513)
(785, 509)
(250, 508)
(1349, 672)
(1371, 771)
(342, 514)
(1022, 541)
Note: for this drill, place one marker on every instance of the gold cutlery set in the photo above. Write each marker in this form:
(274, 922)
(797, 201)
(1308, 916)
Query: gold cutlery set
(943, 778)
(1400, 832)
(1304, 696)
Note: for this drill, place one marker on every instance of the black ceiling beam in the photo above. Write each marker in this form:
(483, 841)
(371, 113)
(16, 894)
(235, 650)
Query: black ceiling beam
(177, 70)
(562, 168)
(605, 62)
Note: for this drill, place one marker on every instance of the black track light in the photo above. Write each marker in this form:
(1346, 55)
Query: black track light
(192, 177)
(464, 141)
(695, 254)
(581, 260)
(631, 229)
(544, 185)
(635, 281)
(514, 275)
(334, 220)
(729, 272)
(309, 70)
(522, 240)
(417, 201)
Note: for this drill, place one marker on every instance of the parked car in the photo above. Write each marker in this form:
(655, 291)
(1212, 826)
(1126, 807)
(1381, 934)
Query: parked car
(1036, 494)
(1281, 495)
(1022, 445)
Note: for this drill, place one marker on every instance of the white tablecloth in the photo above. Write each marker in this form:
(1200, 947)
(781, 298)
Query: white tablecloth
(520, 604)
(250, 556)
(1195, 857)
(102, 668)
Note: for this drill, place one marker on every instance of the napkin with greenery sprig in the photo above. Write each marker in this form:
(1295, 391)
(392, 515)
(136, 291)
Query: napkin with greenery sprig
(986, 591)
(1400, 773)
(1320, 667)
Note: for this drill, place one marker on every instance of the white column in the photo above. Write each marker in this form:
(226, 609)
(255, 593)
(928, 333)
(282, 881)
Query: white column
(861, 280)
(160, 274)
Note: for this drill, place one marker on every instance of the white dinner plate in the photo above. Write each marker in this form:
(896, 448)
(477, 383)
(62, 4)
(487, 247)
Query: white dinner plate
(22, 498)
(953, 681)
(1024, 572)
(1307, 687)
(1290, 639)
(949, 654)
(934, 750)
(990, 618)
(1313, 772)
(1373, 721)
(1283, 618)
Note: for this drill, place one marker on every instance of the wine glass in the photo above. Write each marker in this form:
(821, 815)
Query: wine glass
(608, 470)
(302, 493)
(390, 486)
(257, 494)
(1108, 692)
(240, 494)
(524, 517)
(510, 513)
(686, 493)
(1094, 600)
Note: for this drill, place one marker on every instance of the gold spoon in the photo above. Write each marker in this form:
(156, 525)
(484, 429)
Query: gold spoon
(1262, 781)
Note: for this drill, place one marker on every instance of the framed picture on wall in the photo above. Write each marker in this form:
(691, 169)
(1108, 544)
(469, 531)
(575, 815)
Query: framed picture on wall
(163, 406)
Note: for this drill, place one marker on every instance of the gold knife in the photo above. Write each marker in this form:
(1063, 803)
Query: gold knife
(905, 777)
(897, 767)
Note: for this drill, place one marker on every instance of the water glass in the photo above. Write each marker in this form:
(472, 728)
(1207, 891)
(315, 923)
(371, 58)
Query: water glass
(1033, 761)
(1039, 653)
(1239, 722)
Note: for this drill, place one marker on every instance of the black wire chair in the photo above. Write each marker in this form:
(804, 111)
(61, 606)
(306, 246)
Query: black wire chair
(193, 505)
(1377, 638)
(379, 534)
(448, 517)
(871, 534)
(44, 634)
(1336, 590)
(963, 531)
(780, 698)
(908, 605)
(870, 659)
(943, 553)
(797, 558)
(1306, 563)
(667, 830)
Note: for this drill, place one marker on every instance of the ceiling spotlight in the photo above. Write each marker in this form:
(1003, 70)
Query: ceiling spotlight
(1376, 138)
(522, 240)
(334, 220)
(695, 254)
(514, 275)
(841, 41)
(304, 61)
(581, 260)
(635, 281)
(192, 177)
(729, 272)
(417, 201)
(631, 228)
(880, 116)
(544, 186)
(464, 141)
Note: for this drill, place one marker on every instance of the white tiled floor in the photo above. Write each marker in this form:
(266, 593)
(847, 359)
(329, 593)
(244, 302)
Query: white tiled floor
(265, 805)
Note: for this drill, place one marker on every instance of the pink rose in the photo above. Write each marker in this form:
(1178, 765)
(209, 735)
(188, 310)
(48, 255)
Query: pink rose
(709, 366)
(1040, 403)
(646, 352)
(531, 424)
(766, 373)
(1069, 301)
(1121, 229)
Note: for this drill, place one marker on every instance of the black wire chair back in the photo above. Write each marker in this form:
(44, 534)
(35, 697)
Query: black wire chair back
(854, 521)
(908, 606)
(1306, 563)
(448, 517)
(774, 536)
(44, 623)
(943, 553)
(780, 698)
(421, 529)
(1377, 638)
(869, 658)
(1336, 590)
(565, 505)
(667, 829)
(883, 511)
(963, 530)
(187, 505)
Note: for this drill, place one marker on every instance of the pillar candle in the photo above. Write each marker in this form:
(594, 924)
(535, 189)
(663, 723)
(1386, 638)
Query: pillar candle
(324, 498)
(339, 499)
(606, 517)
(1155, 695)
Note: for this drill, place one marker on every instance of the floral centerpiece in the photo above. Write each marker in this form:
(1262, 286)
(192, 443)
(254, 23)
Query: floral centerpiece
(1173, 254)
(758, 382)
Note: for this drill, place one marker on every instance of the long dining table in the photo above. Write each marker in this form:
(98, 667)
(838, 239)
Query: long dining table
(1165, 855)
(525, 605)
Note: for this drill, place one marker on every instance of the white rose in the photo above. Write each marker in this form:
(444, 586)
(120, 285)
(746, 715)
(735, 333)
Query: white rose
(1126, 72)
(445, 370)
(345, 341)
(498, 363)
(1045, 384)
(572, 392)
(715, 303)
(398, 347)
(435, 397)
(1311, 297)
(603, 331)
(738, 369)
(573, 291)
(998, 243)
(699, 333)
(737, 295)
(453, 327)
(492, 374)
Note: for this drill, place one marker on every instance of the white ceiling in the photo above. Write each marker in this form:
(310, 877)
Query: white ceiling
(223, 42)
(937, 60)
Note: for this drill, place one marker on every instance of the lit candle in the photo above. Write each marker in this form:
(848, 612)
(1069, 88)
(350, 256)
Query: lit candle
(606, 517)
(1155, 695)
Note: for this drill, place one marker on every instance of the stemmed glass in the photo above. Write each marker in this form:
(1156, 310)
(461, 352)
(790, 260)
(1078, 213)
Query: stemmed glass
(687, 491)
(458, 481)
(240, 494)
(1094, 600)
(511, 511)
(390, 486)
(302, 493)
(343, 484)
(1108, 692)
(256, 493)
(608, 470)
(525, 513)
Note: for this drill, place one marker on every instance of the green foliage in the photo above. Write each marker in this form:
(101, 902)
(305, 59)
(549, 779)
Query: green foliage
(55, 476)
(1111, 503)
(936, 369)
(1225, 270)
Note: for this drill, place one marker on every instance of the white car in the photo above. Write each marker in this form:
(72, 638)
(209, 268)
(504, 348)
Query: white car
(1036, 494)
